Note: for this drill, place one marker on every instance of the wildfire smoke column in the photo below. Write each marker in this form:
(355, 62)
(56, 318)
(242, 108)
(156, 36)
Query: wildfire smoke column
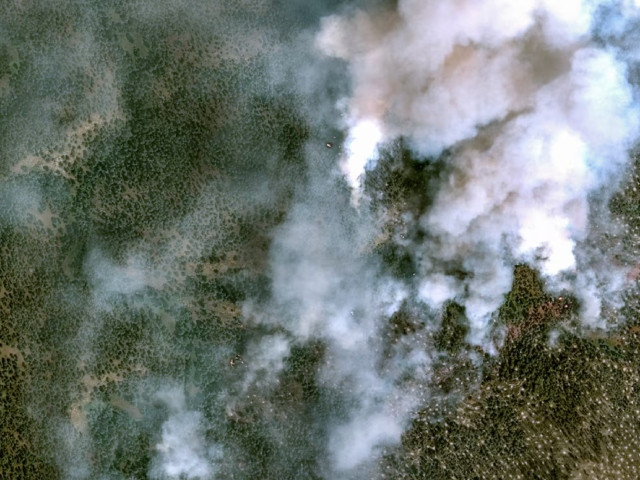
(537, 116)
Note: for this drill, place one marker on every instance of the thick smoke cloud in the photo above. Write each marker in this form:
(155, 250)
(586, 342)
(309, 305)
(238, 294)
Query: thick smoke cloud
(219, 290)
(536, 117)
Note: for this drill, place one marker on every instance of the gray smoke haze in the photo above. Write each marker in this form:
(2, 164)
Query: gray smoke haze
(536, 117)
(325, 288)
(220, 301)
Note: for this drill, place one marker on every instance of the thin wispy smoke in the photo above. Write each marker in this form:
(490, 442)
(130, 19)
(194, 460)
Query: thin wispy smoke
(323, 288)
(238, 287)
(182, 450)
(536, 117)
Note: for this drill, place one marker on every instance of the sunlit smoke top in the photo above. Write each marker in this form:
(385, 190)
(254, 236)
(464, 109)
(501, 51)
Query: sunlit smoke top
(535, 114)
(219, 300)
(361, 146)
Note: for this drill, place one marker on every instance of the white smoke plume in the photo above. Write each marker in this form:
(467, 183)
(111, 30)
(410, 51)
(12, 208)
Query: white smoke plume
(183, 451)
(325, 288)
(537, 116)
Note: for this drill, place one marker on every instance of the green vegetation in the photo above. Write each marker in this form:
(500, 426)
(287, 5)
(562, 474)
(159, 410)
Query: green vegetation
(552, 404)
(147, 145)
